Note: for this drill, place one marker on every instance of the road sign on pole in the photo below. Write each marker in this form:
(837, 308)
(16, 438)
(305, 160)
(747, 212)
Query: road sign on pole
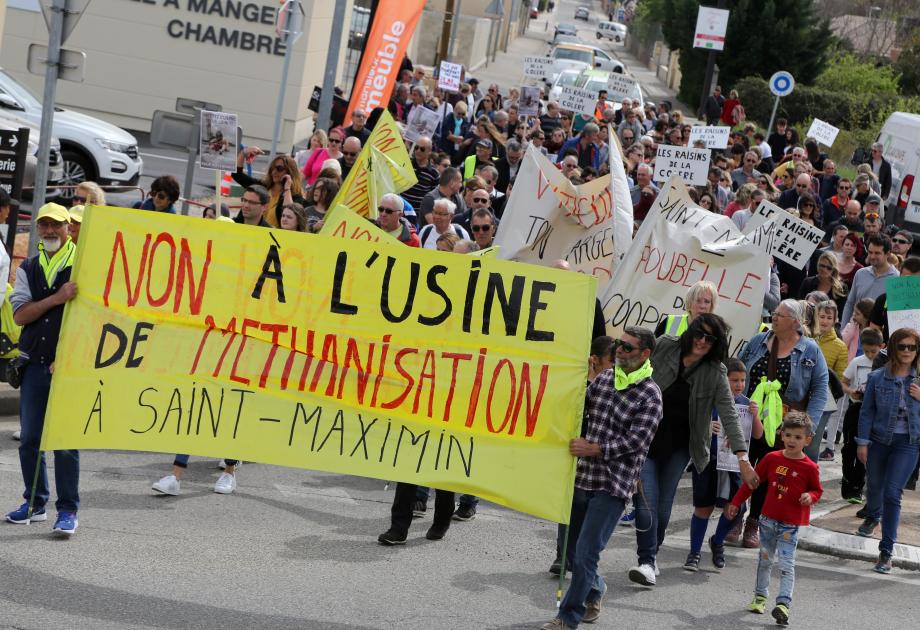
(781, 84)
(14, 146)
(289, 27)
(73, 11)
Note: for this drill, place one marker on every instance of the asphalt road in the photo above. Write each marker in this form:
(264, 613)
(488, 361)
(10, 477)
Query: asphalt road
(297, 549)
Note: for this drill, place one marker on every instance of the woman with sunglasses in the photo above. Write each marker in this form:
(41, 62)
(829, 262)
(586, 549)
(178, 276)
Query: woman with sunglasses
(708, 202)
(765, 184)
(486, 107)
(88, 194)
(809, 210)
(164, 193)
(332, 150)
(792, 367)
(888, 438)
(282, 180)
(693, 381)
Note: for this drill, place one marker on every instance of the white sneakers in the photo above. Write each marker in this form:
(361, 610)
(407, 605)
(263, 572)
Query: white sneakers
(644, 574)
(226, 484)
(17, 435)
(167, 485)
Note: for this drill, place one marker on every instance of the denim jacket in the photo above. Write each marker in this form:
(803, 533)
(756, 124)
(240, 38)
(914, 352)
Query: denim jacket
(880, 407)
(808, 371)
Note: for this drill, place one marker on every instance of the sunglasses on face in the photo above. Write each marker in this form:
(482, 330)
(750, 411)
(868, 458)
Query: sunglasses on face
(626, 346)
(705, 337)
(77, 199)
(872, 216)
(280, 168)
(335, 141)
(421, 149)
(899, 241)
(826, 267)
(349, 153)
(385, 210)
(907, 347)
(843, 188)
(480, 200)
(480, 228)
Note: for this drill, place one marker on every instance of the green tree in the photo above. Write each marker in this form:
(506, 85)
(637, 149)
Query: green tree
(908, 65)
(846, 73)
(763, 36)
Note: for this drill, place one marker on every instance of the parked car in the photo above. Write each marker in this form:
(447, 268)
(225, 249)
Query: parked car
(582, 13)
(611, 30)
(91, 148)
(579, 57)
(9, 122)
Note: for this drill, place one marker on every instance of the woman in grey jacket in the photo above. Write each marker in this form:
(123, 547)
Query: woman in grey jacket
(693, 382)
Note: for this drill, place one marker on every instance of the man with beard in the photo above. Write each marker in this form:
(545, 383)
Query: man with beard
(622, 411)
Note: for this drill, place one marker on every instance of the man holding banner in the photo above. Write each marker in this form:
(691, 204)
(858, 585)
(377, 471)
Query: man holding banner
(622, 410)
(43, 287)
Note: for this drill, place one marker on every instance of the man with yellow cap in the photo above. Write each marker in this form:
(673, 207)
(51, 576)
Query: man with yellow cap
(43, 286)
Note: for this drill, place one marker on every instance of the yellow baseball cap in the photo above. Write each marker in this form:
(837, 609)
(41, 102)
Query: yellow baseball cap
(76, 214)
(55, 212)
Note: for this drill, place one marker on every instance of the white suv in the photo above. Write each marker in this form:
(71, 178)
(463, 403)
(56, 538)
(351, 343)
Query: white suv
(91, 148)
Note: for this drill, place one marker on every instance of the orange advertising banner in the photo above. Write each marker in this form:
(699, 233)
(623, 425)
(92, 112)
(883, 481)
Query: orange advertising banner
(384, 48)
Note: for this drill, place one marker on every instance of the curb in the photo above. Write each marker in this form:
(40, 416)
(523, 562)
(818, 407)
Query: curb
(852, 547)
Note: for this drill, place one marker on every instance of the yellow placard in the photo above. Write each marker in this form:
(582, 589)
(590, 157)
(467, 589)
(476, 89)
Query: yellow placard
(342, 222)
(224, 340)
(383, 166)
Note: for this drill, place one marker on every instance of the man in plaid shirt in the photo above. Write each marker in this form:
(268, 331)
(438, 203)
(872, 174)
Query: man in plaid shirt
(623, 409)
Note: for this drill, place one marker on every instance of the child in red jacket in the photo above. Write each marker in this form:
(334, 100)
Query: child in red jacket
(794, 486)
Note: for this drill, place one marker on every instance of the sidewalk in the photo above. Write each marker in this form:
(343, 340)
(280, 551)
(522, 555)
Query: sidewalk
(833, 532)
(9, 400)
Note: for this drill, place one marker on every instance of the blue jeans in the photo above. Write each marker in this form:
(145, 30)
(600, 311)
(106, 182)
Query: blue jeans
(33, 399)
(813, 450)
(653, 502)
(571, 531)
(777, 539)
(888, 468)
(602, 512)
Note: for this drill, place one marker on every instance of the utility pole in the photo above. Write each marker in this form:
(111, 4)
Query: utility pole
(324, 116)
(710, 69)
(446, 30)
(289, 28)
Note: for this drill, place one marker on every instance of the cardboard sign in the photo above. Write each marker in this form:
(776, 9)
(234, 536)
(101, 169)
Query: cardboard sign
(449, 76)
(678, 245)
(529, 103)
(620, 86)
(711, 26)
(824, 133)
(299, 350)
(903, 302)
(578, 101)
(218, 141)
(714, 137)
(538, 67)
(421, 122)
(794, 240)
(691, 165)
(725, 457)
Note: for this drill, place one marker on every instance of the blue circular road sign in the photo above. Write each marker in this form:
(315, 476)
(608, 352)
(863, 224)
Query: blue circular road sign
(782, 83)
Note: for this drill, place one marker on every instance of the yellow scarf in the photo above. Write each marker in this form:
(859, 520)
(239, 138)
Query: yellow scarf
(622, 380)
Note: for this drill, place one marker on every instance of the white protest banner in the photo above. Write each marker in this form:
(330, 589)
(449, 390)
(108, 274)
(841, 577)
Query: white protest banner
(622, 201)
(537, 67)
(725, 457)
(449, 76)
(824, 133)
(421, 122)
(218, 140)
(529, 103)
(691, 165)
(711, 26)
(578, 101)
(794, 240)
(714, 137)
(547, 218)
(903, 302)
(678, 245)
(620, 86)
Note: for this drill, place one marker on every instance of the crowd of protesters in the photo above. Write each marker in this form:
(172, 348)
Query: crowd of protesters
(658, 401)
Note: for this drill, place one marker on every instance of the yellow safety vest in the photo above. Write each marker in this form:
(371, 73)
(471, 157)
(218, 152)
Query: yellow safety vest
(675, 325)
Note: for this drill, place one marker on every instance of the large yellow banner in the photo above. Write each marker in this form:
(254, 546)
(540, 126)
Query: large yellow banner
(222, 340)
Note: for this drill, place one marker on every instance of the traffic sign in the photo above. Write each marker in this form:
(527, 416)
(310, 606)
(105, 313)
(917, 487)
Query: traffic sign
(71, 64)
(289, 21)
(72, 15)
(782, 83)
(14, 151)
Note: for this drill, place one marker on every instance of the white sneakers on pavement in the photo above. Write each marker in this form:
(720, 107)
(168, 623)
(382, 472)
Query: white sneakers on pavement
(226, 484)
(17, 435)
(643, 574)
(167, 485)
